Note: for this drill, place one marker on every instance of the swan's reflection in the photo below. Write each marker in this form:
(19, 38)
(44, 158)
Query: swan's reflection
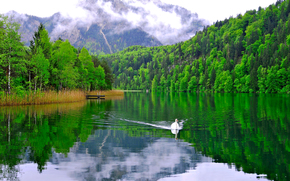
(175, 132)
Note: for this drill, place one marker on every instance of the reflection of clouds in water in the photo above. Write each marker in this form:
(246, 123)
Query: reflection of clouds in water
(161, 158)
(165, 156)
(123, 158)
(152, 159)
(215, 172)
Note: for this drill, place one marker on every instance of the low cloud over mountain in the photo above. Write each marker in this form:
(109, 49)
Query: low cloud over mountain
(121, 22)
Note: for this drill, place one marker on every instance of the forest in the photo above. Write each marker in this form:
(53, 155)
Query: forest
(47, 65)
(246, 54)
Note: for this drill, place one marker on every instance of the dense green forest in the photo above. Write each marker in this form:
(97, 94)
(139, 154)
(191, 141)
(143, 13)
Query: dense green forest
(249, 53)
(46, 65)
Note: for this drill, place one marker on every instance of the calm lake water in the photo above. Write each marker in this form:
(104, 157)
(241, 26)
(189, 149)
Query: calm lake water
(223, 137)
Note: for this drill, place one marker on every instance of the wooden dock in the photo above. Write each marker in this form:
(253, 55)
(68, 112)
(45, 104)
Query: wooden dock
(95, 96)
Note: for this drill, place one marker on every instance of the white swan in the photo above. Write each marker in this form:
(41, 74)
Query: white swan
(175, 125)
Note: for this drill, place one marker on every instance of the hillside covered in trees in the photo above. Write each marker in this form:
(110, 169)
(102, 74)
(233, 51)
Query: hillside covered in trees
(249, 53)
(47, 65)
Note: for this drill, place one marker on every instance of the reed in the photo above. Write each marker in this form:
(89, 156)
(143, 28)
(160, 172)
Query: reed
(107, 93)
(52, 97)
(37, 98)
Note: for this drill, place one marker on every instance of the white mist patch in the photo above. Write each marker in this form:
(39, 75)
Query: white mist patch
(17, 16)
(169, 24)
(155, 16)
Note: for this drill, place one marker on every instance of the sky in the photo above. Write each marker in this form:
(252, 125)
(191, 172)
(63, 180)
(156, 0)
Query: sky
(211, 10)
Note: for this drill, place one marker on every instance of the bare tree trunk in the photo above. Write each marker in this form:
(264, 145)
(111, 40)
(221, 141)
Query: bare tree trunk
(9, 77)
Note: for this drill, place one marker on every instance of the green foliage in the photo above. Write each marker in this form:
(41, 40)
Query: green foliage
(11, 53)
(87, 69)
(100, 78)
(40, 68)
(47, 65)
(223, 57)
(192, 85)
(262, 74)
(154, 84)
(223, 82)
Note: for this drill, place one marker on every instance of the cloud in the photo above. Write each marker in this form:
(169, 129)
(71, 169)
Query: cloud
(20, 18)
(169, 24)
(213, 10)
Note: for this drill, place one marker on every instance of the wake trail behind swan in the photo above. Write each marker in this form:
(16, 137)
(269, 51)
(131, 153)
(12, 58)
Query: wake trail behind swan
(155, 125)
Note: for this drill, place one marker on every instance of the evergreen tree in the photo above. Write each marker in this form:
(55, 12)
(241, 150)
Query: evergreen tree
(11, 53)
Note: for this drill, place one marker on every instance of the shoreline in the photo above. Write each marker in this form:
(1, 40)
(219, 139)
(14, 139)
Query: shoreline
(50, 97)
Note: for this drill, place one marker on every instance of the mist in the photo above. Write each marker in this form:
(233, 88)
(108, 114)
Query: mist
(168, 23)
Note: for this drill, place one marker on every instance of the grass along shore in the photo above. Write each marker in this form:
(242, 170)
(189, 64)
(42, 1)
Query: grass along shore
(50, 97)
(107, 93)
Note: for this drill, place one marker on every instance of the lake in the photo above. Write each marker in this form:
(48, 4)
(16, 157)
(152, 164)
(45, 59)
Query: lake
(223, 137)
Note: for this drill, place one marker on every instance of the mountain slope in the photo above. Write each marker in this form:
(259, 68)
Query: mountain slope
(122, 23)
(91, 38)
(249, 53)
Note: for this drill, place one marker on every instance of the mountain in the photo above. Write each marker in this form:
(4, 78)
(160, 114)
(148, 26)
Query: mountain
(249, 53)
(109, 26)
(95, 38)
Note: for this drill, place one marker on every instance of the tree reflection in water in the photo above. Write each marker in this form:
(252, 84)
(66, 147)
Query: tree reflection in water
(94, 139)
